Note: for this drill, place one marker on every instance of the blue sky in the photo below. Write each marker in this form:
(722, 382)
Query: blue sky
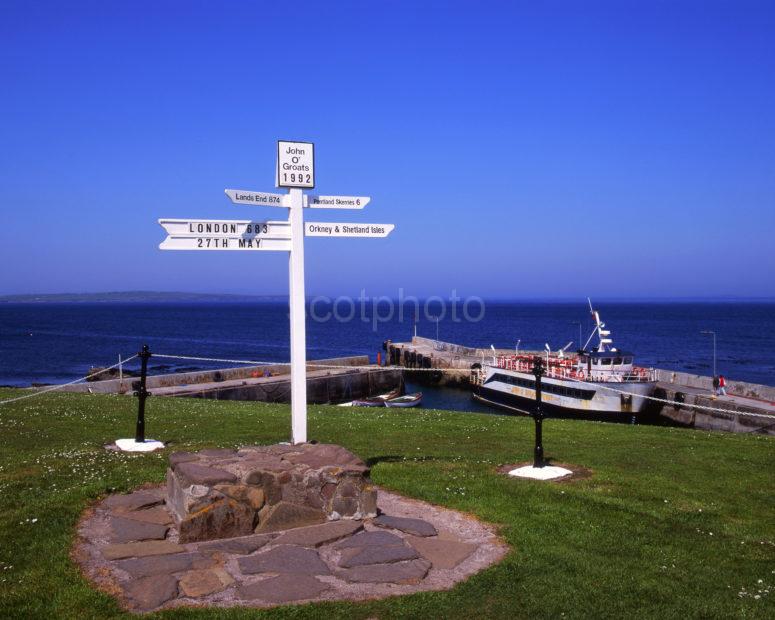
(522, 149)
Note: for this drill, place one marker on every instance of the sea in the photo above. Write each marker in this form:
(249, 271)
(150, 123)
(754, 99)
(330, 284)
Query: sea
(46, 343)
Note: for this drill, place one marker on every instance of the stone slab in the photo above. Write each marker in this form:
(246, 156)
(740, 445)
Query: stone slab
(218, 453)
(284, 516)
(140, 549)
(237, 546)
(399, 573)
(283, 589)
(157, 514)
(150, 592)
(128, 530)
(441, 552)
(201, 474)
(287, 559)
(135, 501)
(182, 457)
(316, 535)
(364, 539)
(376, 554)
(417, 527)
(198, 583)
(225, 518)
(164, 564)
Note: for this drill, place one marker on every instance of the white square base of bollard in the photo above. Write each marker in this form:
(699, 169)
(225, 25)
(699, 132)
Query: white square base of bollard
(130, 445)
(550, 472)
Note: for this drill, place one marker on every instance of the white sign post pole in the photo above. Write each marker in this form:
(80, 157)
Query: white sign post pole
(298, 319)
(295, 171)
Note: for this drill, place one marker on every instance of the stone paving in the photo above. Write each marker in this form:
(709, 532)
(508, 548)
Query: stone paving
(130, 545)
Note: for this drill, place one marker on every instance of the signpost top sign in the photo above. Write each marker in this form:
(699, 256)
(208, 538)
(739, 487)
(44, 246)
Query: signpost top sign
(295, 164)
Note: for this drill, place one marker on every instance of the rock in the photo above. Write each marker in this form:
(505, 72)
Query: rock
(368, 502)
(325, 455)
(345, 506)
(247, 495)
(237, 546)
(285, 515)
(195, 473)
(316, 535)
(283, 589)
(164, 564)
(127, 530)
(182, 457)
(370, 538)
(442, 553)
(284, 487)
(411, 572)
(150, 592)
(140, 549)
(218, 453)
(284, 559)
(376, 554)
(157, 514)
(225, 518)
(418, 527)
(198, 583)
(134, 501)
(183, 498)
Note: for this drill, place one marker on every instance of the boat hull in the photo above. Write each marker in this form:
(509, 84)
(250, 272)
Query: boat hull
(403, 404)
(515, 391)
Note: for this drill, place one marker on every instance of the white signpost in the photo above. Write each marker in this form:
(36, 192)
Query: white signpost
(340, 229)
(295, 171)
(243, 197)
(337, 202)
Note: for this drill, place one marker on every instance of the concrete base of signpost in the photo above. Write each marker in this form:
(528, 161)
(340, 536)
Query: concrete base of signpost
(549, 472)
(130, 445)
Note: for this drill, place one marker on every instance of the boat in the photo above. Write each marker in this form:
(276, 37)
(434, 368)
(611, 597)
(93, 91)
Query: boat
(596, 383)
(409, 400)
(377, 401)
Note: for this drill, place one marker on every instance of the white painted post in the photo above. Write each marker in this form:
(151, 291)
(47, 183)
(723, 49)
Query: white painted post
(298, 324)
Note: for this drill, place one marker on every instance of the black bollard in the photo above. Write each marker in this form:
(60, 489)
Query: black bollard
(142, 394)
(538, 415)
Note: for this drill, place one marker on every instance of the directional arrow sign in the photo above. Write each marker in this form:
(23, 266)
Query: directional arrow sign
(225, 243)
(227, 228)
(338, 202)
(339, 229)
(261, 199)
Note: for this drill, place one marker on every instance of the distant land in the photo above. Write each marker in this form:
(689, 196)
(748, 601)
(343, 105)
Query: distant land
(137, 297)
(180, 297)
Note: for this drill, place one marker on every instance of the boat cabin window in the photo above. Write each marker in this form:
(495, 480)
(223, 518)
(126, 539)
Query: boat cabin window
(628, 360)
(618, 361)
(596, 362)
(605, 361)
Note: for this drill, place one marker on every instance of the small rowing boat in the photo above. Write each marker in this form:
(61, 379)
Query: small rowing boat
(376, 401)
(410, 400)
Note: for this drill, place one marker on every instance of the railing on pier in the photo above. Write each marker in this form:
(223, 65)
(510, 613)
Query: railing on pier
(568, 369)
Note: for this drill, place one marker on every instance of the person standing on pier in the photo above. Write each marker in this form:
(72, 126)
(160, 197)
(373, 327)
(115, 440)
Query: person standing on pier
(716, 383)
(722, 386)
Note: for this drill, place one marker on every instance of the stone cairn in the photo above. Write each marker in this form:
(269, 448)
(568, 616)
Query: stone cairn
(268, 525)
(258, 489)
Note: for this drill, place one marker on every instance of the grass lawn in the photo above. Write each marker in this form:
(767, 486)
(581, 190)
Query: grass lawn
(673, 523)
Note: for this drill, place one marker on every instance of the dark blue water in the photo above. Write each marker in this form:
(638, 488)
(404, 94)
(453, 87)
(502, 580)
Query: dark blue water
(60, 342)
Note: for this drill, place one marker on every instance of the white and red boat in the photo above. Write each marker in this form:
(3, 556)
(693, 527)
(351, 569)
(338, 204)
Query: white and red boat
(601, 383)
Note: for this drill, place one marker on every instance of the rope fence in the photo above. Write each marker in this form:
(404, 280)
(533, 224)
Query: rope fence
(62, 385)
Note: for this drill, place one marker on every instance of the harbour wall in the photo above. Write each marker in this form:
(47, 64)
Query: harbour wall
(682, 389)
(322, 387)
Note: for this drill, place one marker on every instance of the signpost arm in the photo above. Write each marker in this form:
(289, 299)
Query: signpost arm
(298, 326)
